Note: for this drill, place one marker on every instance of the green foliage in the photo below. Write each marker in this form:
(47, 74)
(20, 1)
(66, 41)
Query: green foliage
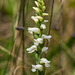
(72, 4)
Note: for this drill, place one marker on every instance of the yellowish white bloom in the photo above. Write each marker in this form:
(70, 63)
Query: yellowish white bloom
(36, 9)
(44, 7)
(44, 49)
(38, 41)
(39, 17)
(37, 67)
(42, 26)
(42, 3)
(35, 19)
(45, 14)
(45, 61)
(32, 49)
(46, 37)
(36, 3)
(33, 30)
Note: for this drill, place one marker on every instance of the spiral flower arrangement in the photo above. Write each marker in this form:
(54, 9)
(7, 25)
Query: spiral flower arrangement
(39, 38)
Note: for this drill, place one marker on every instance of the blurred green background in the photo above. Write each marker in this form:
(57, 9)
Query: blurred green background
(61, 51)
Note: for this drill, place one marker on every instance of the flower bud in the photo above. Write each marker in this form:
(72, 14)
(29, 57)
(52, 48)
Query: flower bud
(45, 14)
(42, 26)
(36, 3)
(36, 9)
(42, 2)
(43, 8)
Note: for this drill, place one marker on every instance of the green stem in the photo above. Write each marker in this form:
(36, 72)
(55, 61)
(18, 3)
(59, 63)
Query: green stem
(37, 56)
(41, 72)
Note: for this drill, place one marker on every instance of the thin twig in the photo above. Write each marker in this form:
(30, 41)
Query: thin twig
(16, 35)
(51, 17)
(18, 50)
(27, 7)
(19, 67)
(25, 16)
(8, 51)
(58, 71)
(23, 40)
(61, 37)
(49, 30)
(5, 50)
(58, 15)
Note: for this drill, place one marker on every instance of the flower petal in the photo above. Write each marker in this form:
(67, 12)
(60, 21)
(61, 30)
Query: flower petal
(44, 49)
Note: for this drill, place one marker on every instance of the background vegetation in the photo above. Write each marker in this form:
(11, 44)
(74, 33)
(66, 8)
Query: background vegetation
(61, 47)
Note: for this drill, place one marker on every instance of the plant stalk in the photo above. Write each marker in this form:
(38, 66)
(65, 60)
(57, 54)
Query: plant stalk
(23, 39)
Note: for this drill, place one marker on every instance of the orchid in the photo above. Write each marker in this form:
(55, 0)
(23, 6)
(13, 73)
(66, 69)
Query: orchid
(35, 19)
(32, 49)
(46, 36)
(38, 41)
(44, 49)
(42, 26)
(37, 67)
(45, 61)
(39, 38)
(33, 30)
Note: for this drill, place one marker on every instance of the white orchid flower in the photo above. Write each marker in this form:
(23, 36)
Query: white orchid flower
(46, 37)
(45, 61)
(32, 49)
(33, 30)
(44, 49)
(37, 67)
(35, 19)
(38, 41)
(42, 26)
